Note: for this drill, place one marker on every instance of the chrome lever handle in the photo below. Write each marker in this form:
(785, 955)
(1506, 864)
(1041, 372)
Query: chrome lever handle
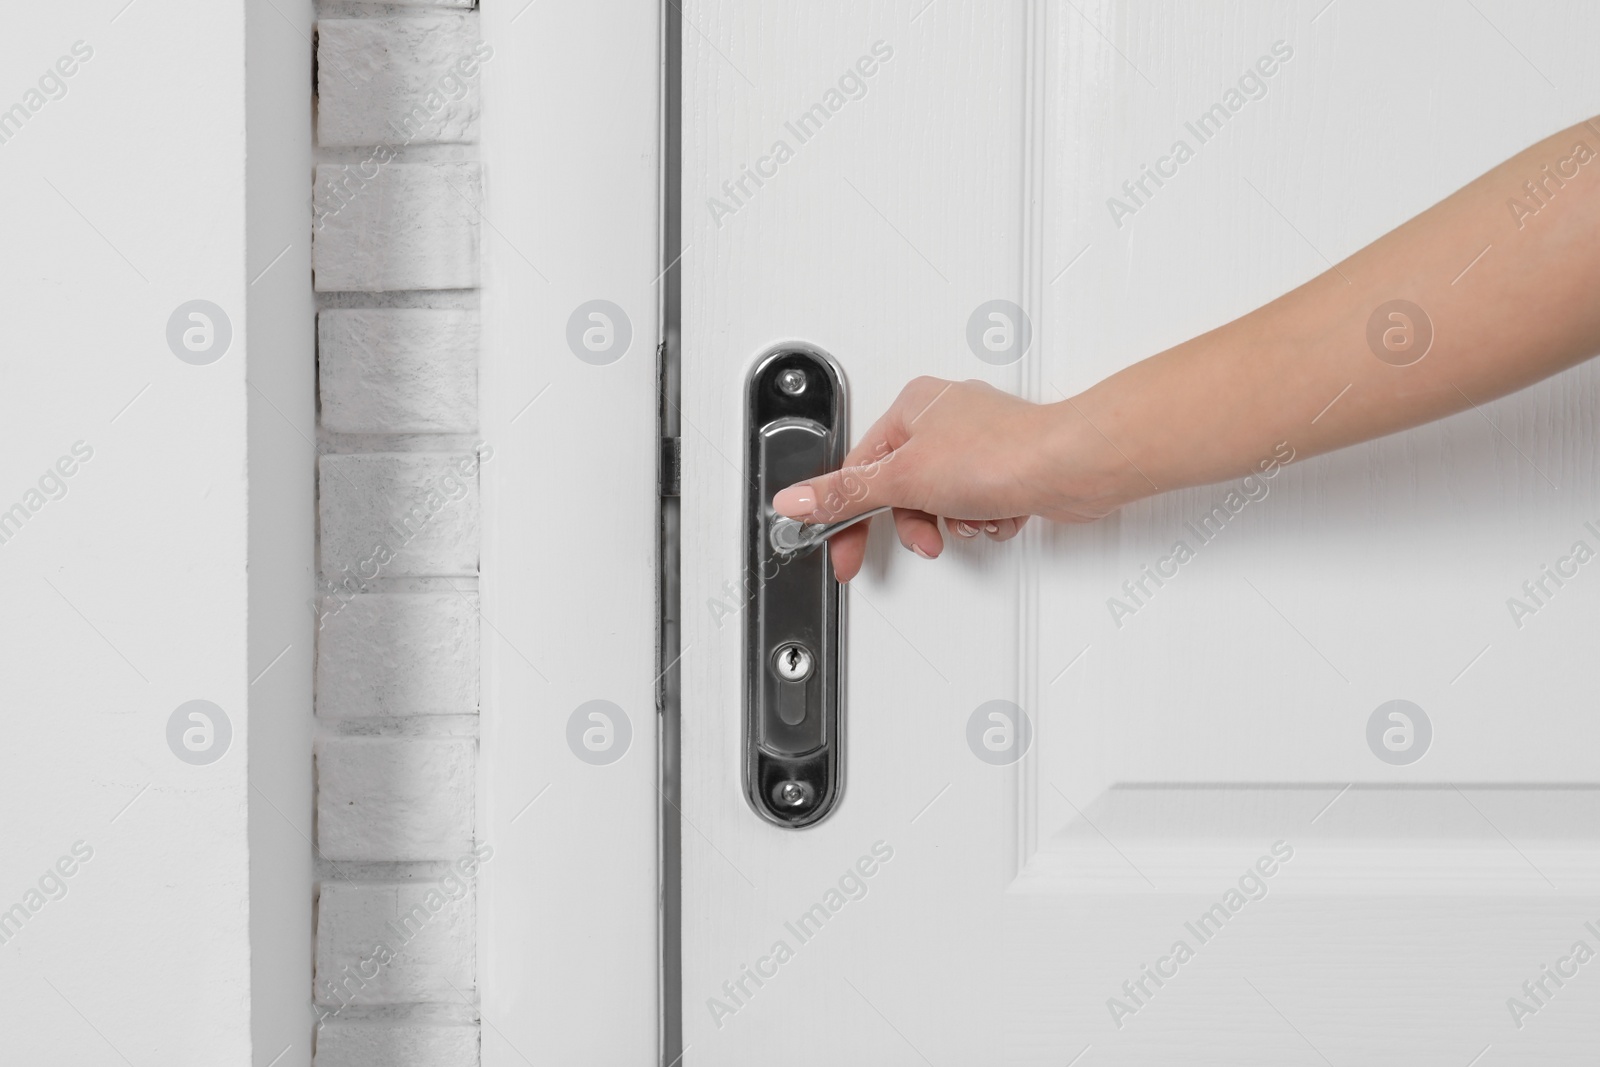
(791, 536)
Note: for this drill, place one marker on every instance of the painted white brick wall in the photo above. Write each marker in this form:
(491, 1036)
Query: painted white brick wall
(363, 1044)
(398, 525)
(398, 370)
(382, 227)
(398, 654)
(394, 944)
(411, 514)
(398, 81)
(395, 798)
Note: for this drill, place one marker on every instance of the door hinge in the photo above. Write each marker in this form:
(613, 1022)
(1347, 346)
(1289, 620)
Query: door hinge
(671, 465)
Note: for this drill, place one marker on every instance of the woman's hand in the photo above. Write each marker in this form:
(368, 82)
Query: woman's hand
(981, 459)
(1309, 371)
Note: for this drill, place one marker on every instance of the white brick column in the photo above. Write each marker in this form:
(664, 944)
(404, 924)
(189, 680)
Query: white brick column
(396, 258)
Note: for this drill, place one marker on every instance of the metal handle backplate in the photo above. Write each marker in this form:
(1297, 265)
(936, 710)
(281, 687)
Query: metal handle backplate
(794, 626)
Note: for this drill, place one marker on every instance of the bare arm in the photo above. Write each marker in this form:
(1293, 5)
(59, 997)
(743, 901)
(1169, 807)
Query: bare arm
(1394, 336)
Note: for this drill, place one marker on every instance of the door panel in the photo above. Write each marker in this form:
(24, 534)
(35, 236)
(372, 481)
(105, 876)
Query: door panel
(1180, 738)
(848, 247)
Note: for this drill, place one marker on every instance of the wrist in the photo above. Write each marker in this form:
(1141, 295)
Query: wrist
(1087, 465)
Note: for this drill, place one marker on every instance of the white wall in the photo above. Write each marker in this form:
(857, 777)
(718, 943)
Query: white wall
(128, 596)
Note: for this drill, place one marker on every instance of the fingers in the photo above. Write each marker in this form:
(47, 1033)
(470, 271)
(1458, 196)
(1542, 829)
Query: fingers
(868, 477)
(919, 532)
(854, 487)
(964, 529)
(1004, 529)
(847, 549)
(843, 494)
(993, 529)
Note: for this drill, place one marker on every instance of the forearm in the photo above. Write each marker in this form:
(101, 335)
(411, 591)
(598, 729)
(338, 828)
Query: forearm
(1301, 370)
(1509, 295)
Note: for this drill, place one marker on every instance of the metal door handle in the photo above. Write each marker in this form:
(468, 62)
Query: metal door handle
(794, 628)
(792, 535)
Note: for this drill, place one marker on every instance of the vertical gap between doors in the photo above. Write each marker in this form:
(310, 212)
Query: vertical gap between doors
(669, 837)
(1030, 384)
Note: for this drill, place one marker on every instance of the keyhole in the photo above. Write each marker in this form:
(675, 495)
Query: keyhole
(792, 662)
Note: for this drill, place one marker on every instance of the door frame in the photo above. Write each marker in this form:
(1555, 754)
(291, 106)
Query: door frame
(569, 909)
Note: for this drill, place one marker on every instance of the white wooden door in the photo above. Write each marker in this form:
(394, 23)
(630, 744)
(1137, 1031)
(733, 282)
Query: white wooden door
(1199, 770)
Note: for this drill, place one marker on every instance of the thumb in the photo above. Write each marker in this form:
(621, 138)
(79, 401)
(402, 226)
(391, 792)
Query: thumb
(842, 494)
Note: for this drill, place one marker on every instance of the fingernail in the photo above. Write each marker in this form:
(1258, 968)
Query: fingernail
(918, 550)
(990, 528)
(796, 502)
(965, 530)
